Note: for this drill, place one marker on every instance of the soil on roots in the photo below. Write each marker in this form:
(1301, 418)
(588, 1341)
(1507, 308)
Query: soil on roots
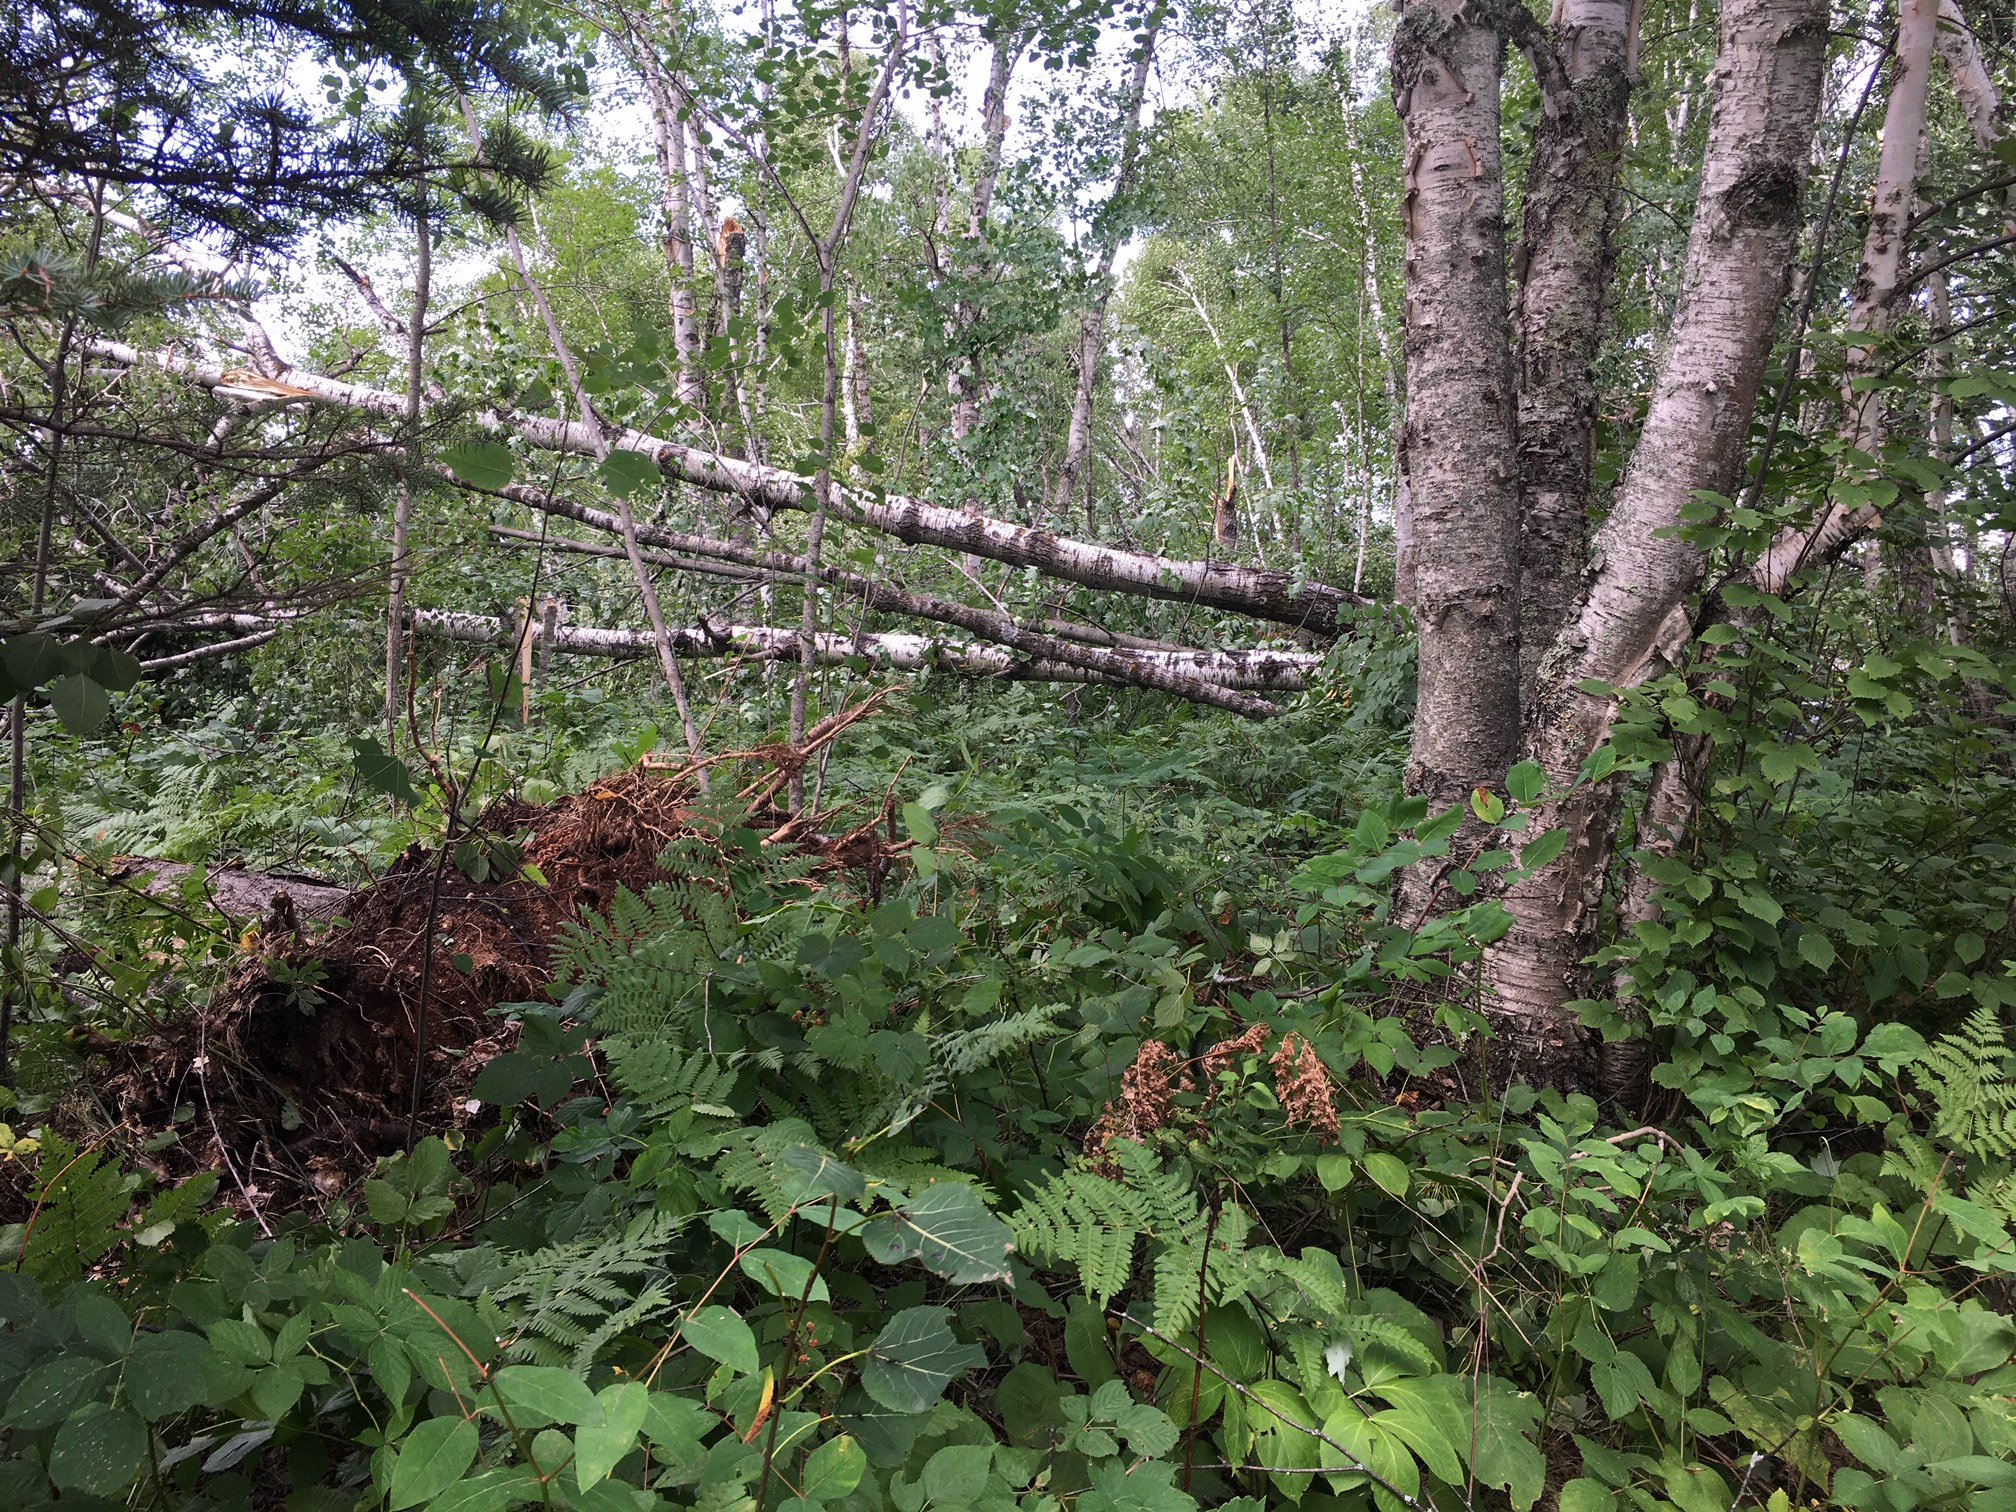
(298, 1074)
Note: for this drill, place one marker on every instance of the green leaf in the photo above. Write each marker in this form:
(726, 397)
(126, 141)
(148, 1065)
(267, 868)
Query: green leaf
(1815, 949)
(98, 1450)
(431, 1460)
(914, 1359)
(113, 669)
(51, 1392)
(833, 1470)
(1503, 1456)
(1387, 1173)
(1543, 849)
(1585, 1495)
(1759, 905)
(1148, 1430)
(820, 1175)
(1334, 1171)
(1525, 781)
(599, 1446)
(1865, 1440)
(1425, 1413)
(490, 1491)
(79, 702)
(165, 1373)
(949, 1229)
(547, 1394)
(30, 660)
(918, 822)
(1150, 1487)
(1779, 763)
(1284, 1435)
(1487, 805)
(380, 771)
(628, 473)
(784, 1275)
(481, 464)
(674, 1426)
(720, 1334)
(957, 1476)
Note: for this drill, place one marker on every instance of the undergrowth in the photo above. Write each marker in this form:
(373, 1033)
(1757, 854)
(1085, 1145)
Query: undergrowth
(1110, 1155)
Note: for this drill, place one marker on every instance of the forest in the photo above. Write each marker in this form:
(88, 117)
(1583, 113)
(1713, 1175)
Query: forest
(1082, 755)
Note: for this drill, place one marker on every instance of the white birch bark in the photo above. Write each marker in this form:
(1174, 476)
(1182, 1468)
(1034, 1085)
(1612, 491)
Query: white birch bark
(1767, 88)
(1980, 101)
(1564, 262)
(1872, 300)
(1461, 456)
(1279, 597)
(1219, 678)
(1196, 298)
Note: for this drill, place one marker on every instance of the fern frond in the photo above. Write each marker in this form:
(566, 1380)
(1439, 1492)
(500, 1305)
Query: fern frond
(570, 1301)
(1967, 1074)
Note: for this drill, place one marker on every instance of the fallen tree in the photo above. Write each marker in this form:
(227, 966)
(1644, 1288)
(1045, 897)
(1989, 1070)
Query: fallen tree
(1221, 679)
(1167, 668)
(1261, 593)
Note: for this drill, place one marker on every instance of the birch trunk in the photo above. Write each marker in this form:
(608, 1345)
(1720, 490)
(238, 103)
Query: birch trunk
(1279, 597)
(1767, 96)
(1090, 340)
(1462, 466)
(1565, 262)
(1980, 101)
(668, 133)
(402, 509)
(965, 383)
(1212, 677)
(1873, 297)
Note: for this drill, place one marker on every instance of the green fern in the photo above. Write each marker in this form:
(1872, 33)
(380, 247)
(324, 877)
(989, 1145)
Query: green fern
(665, 1083)
(753, 1163)
(961, 1053)
(658, 959)
(1967, 1075)
(79, 1204)
(572, 1300)
(1083, 1219)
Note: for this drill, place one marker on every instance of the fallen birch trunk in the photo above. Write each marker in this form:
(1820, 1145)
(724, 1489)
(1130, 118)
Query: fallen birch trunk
(1279, 597)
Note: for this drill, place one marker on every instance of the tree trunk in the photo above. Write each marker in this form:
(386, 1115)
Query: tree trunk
(1565, 262)
(1094, 649)
(1280, 597)
(1874, 295)
(1090, 341)
(1462, 467)
(1767, 97)
(1980, 101)
(965, 382)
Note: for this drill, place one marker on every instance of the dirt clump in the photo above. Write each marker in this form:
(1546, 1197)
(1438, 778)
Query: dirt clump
(298, 1074)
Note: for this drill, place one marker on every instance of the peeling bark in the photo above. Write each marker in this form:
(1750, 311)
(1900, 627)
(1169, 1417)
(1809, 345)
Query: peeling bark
(1462, 467)
(1980, 101)
(1767, 98)
(1564, 263)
